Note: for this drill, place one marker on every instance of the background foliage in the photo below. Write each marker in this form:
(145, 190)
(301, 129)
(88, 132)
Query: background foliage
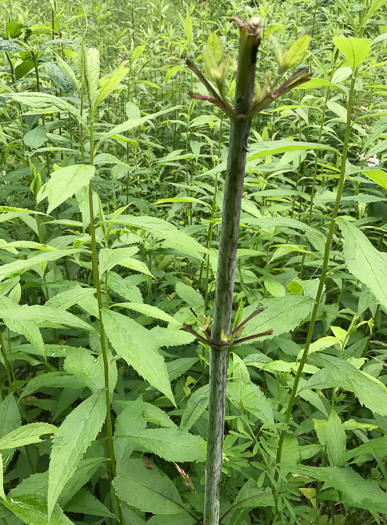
(117, 112)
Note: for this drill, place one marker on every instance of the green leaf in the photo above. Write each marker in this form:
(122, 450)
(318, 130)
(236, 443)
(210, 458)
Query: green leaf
(60, 78)
(85, 503)
(35, 138)
(340, 373)
(364, 261)
(378, 177)
(51, 380)
(355, 50)
(149, 490)
(295, 55)
(188, 28)
(172, 236)
(196, 405)
(24, 264)
(336, 439)
(108, 84)
(131, 124)
(23, 68)
(355, 491)
(69, 445)
(182, 199)
(275, 288)
(13, 29)
(46, 103)
(2, 493)
(172, 72)
(67, 69)
(65, 300)
(26, 435)
(282, 315)
(135, 344)
(90, 370)
(9, 415)
(26, 327)
(108, 259)
(374, 8)
(44, 316)
(212, 56)
(150, 311)
(376, 446)
(124, 287)
(189, 295)
(32, 510)
(171, 444)
(107, 158)
(92, 71)
(249, 496)
(64, 183)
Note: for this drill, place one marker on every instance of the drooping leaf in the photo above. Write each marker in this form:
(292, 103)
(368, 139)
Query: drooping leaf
(21, 265)
(26, 435)
(45, 316)
(364, 261)
(47, 104)
(131, 124)
(340, 373)
(51, 380)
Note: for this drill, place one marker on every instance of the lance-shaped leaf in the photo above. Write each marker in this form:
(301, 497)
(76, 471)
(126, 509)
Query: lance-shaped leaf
(108, 84)
(364, 261)
(76, 433)
(135, 344)
(26, 435)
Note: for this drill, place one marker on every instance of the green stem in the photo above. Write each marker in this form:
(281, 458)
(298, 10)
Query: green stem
(324, 270)
(97, 286)
(240, 127)
(6, 362)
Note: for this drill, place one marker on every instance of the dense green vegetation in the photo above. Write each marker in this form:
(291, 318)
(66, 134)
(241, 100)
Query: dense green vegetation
(112, 183)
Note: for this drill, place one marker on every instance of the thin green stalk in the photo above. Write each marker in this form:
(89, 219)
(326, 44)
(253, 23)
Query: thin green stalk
(6, 362)
(97, 286)
(228, 243)
(324, 270)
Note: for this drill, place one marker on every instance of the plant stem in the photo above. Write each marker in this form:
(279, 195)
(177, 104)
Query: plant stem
(240, 127)
(324, 270)
(6, 362)
(97, 286)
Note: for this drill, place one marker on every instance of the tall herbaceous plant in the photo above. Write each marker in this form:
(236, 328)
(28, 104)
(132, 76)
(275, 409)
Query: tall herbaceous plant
(137, 383)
